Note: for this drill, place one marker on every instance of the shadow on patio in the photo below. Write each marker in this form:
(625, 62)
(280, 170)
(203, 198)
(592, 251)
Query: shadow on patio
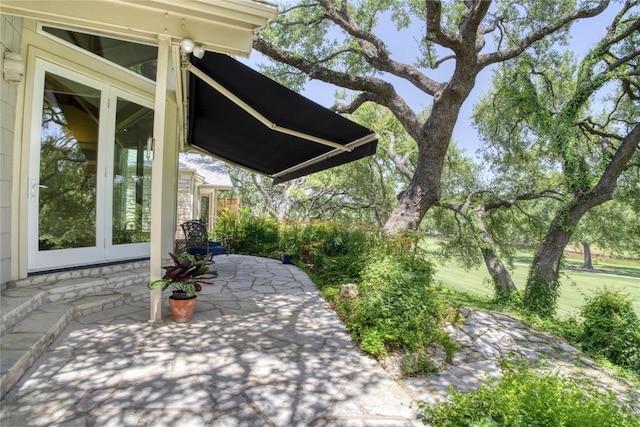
(261, 349)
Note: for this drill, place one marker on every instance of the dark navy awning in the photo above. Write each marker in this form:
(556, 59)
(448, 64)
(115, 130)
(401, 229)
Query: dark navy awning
(242, 116)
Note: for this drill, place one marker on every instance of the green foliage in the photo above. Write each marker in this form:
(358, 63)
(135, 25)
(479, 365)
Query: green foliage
(418, 363)
(253, 235)
(258, 236)
(569, 328)
(527, 398)
(511, 299)
(337, 251)
(186, 274)
(541, 297)
(396, 307)
(342, 254)
(612, 329)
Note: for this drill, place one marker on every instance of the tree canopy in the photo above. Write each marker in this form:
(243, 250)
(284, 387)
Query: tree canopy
(559, 132)
(338, 42)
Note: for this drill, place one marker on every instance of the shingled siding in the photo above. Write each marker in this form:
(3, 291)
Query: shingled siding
(188, 182)
(10, 32)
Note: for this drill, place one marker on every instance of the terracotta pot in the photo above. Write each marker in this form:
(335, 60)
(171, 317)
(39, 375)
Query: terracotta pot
(182, 309)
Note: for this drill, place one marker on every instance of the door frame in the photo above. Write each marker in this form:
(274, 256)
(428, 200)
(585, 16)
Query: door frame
(130, 250)
(104, 251)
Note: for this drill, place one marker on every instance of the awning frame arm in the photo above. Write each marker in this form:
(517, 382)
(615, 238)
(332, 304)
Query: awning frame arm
(262, 119)
(352, 145)
(190, 148)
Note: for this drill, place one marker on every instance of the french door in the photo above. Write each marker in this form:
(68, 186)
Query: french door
(89, 175)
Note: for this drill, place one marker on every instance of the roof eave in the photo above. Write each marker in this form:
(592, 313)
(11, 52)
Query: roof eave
(221, 26)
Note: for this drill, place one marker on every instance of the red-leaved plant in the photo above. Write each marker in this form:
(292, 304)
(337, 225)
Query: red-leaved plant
(187, 274)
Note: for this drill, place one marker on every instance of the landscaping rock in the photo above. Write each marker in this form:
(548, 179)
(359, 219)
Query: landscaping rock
(349, 291)
(486, 338)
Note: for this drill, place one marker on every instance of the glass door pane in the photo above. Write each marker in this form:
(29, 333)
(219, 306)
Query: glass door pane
(131, 173)
(68, 164)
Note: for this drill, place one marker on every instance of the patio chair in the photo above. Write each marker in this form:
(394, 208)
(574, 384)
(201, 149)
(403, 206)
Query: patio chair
(198, 243)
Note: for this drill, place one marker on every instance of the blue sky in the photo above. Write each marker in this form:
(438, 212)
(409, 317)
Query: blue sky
(585, 34)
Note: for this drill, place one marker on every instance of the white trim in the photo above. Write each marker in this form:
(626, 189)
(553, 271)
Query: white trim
(104, 249)
(262, 119)
(182, 95)
(41, 31)
(45, 260)
(158, 169)
(219, 25)
(123, 250)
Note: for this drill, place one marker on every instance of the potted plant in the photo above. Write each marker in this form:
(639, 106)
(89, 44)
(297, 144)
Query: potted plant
(186, 276)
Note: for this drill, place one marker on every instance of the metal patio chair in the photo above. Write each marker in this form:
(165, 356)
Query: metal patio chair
(198, 243)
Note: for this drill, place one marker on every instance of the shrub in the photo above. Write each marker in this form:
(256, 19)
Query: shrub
(253, 235)
(526, 398)
(339, 252)
(395, 307)
(612, 329)
(569, 328)
(259, 236)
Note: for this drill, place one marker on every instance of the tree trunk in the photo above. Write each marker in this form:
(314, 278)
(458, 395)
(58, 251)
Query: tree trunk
(499, 274)
(540, 295)
(586, 247)
(424, 189)
(542, 283)
(497, 270)
(284, 210)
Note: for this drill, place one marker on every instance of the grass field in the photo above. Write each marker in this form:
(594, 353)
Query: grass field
(575, 284)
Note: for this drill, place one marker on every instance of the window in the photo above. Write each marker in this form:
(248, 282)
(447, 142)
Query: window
(139, 58)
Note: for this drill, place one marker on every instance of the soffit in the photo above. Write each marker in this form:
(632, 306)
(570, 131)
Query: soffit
(221, 25)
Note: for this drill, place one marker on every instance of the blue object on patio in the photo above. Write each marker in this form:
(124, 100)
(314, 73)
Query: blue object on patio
(198, 243)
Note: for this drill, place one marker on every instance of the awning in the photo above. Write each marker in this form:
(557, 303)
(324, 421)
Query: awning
(247, 119)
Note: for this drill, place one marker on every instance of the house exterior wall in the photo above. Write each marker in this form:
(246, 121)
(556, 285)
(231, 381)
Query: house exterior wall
(10, 31)
(191, 187)
(21, 36)
(186, 199)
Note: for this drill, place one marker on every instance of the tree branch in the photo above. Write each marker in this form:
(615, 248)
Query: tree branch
(494, 57)
(400, 163)
(435, 32)
(375, 51)
(383, 92)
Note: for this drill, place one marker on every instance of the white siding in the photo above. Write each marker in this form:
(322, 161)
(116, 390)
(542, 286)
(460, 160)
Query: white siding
(10, 30)
(186, 199)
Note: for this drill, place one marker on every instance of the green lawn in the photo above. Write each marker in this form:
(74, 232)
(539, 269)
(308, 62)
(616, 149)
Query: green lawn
(575, 285)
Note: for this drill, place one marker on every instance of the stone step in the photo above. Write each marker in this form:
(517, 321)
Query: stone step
(103, 270)
(28, 294)
(34, 315)
(20, 348)
(89, 304)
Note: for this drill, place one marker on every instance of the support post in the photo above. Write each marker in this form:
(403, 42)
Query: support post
(157, 173)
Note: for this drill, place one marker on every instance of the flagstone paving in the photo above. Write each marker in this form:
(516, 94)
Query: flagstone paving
(261, 350)
(487, 338)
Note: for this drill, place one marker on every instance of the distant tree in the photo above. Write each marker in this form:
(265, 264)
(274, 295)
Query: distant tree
(363, 191)
(489, 222)
(340, 43)
(542, 107)
(612, 227)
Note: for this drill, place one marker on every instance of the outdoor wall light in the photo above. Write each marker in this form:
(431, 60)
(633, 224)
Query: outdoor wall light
(188, 46)
(198, 51)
